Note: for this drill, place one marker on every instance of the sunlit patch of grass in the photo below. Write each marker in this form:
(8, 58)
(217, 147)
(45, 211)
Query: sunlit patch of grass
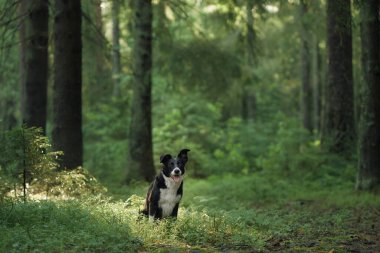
(195, 229)
(64, 226)
(243, 213)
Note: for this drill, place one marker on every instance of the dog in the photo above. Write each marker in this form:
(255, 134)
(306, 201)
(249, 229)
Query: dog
(166, 191)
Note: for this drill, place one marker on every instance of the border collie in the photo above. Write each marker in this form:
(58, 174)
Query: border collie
(165, 193)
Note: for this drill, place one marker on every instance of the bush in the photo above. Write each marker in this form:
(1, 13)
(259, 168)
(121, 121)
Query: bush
(25, 156)
(294, 152)
(29, 167)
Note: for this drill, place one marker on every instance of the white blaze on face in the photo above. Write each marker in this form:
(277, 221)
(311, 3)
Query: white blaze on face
(176, 178)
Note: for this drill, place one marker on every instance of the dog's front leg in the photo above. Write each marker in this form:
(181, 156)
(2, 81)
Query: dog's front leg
(153, 209)
(175, 211)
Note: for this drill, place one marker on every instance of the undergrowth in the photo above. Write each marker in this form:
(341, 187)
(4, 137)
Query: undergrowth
(242, 213)
(64, 226)
(294, 198)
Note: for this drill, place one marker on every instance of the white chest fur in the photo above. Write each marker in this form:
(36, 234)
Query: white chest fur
(169, 197)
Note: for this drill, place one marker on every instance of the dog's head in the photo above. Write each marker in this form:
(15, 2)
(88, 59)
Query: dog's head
(174, 167)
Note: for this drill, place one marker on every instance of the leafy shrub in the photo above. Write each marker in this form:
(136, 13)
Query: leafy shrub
(24, 156)
(65, 184)
(105, 141)
(292, 151)
(28, 166)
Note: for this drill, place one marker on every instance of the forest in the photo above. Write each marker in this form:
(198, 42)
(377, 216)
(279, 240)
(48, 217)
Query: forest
(278, 102)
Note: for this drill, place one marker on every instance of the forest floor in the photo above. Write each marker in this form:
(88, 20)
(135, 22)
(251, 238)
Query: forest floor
(246, 213)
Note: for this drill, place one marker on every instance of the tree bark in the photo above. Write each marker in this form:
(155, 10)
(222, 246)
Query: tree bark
(67, 97)
(34, 62)
(248, 96)
(100, 53)
(116, 57)
(338, 131)
(22, 47)
(140, 136)
(306, 87)
(317, 85)
(369, 130)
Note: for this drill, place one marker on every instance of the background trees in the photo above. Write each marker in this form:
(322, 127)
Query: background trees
(67, 95)
(369, 136)
(194, 75)
(227, 79)
(338, 130)
(140, 136)
(34, 66)
(306, 56)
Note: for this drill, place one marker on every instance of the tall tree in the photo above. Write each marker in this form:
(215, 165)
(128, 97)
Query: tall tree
(140, 136)
(338, 130)
(306, 87)
(96, 72)
(249, 98)
(22, 47)
(116, 58)
(67, 97)
(369, 130)
(100, 41)
(317, 84)
(34, 61)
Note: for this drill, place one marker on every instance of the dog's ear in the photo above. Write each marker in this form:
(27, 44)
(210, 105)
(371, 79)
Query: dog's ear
(165, 158)
(183, 154)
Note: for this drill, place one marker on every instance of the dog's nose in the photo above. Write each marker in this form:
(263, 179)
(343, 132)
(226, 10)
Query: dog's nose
(177, 171)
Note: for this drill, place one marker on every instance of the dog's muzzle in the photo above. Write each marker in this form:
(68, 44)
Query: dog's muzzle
(176, 175)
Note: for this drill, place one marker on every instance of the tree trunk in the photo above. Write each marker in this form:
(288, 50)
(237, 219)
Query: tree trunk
(116, 58)
(140, 140)
(34, 62)
(306, 88)
(67, 97)
(249, 98)
(22, 47)
(338, 131)
(317, 85)
(100, 54)
(369, 130)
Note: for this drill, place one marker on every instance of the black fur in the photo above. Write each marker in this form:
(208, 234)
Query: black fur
(172, 169)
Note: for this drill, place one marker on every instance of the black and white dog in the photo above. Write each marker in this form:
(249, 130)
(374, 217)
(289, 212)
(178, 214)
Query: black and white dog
(165, 193)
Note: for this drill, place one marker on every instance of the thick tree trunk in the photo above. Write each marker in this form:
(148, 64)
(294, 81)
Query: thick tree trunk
(369, 131)
(116, 58)
(306, 87)
(100, 52)
(248, 96)
(22, 48)
(140, 137)
(317, 85)
(338, 131)
(34, 62)
(67, 97)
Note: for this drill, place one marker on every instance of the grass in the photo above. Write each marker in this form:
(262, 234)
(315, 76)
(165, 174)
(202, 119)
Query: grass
(245, 213)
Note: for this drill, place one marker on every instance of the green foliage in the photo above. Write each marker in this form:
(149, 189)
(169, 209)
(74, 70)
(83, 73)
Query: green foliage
(254, 212)
(105, 135)
(69, 226)
(77, 183)
(10, 73)
(25, 155)
(296, 153)
(28, 164)
(263, 185)
(190, 64)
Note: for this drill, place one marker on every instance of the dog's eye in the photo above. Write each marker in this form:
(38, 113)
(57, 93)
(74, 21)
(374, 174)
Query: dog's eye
(172, 164)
